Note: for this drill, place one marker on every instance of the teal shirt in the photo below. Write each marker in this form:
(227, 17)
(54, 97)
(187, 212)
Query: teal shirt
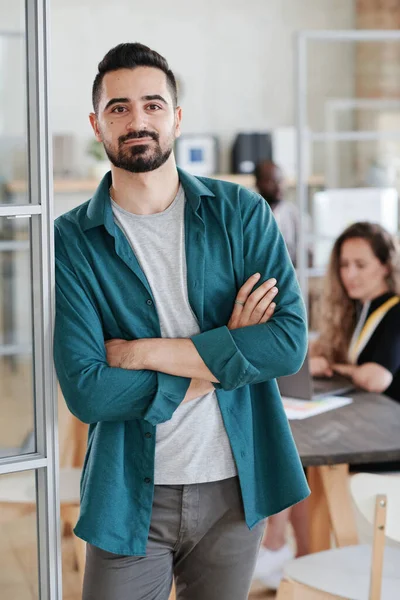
(102, 293)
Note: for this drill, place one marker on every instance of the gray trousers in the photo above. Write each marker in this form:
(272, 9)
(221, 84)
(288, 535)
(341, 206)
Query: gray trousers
(198, 535)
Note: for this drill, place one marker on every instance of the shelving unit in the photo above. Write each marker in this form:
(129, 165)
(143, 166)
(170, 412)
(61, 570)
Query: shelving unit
(305, 136)
(74, 186)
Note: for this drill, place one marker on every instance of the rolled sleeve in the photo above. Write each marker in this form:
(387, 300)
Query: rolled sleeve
(252, 354)
(170, 393)
(219, 352)
(93, 390)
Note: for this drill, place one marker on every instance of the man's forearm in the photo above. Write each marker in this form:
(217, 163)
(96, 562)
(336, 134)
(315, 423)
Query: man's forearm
(172, 356)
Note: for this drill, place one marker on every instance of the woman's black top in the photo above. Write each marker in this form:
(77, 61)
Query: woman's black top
(384, 346)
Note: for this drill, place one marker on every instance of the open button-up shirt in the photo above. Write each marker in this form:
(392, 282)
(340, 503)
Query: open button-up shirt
(102, 293)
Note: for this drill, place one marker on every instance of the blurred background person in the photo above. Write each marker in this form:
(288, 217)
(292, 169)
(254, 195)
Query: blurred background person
(359, 338)
(275, 551)
(270, 183)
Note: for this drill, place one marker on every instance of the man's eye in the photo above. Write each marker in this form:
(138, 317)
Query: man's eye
(119, 109)
(154, 107)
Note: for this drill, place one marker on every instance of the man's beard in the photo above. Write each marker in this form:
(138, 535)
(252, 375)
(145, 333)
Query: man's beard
(272, 200)
(137, 158)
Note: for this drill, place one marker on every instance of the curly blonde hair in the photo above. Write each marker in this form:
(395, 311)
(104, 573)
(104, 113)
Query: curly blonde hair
(338, 311)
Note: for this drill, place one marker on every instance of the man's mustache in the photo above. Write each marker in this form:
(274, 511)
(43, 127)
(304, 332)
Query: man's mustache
(136, 135)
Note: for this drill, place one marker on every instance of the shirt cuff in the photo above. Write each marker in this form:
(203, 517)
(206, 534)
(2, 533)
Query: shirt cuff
(226, 362)
(171, 390)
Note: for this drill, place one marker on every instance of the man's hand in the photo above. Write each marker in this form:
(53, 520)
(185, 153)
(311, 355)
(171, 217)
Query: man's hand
(252, 308)
(120, 353)
(168, 355)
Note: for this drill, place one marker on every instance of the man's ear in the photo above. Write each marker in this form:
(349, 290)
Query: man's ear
(178, 119)
(95, 126)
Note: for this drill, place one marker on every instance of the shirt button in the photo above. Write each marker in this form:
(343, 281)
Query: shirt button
(148, 434)
(149, 302)
(243, 454)
(147, 479)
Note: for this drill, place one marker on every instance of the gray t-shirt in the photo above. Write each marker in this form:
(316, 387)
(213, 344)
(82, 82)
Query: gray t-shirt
(288, 219)
(193, 446)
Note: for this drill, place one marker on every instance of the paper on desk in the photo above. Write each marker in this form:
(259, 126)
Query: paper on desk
(303, 409)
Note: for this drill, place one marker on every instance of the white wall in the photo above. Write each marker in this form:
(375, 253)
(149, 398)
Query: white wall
(12, 68)
(234, 58)
(13, 114)
(12, 15)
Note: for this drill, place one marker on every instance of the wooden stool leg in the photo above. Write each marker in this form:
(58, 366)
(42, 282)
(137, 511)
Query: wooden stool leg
(335, 481)
(286, 590)
(303, 592)
(378, 547)
(80, 551)
(319, 524)
(67, 529)
(172, 595)
(70, 515)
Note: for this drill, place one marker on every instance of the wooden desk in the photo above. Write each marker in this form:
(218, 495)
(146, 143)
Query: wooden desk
(366, 431)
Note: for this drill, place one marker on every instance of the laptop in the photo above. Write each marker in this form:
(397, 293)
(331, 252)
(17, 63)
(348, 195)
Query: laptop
(303, 386)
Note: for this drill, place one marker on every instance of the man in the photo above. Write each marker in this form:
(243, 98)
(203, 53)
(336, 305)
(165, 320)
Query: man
(270, 184)
(167, 343)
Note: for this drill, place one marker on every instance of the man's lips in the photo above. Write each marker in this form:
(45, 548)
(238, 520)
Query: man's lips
(138, 141)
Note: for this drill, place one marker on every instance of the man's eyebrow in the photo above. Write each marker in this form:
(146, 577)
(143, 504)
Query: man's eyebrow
(126, 100)
(115, 101)
(154, 97)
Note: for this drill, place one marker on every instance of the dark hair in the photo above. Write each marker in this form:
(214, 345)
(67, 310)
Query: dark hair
(130, 56)
(258, 170)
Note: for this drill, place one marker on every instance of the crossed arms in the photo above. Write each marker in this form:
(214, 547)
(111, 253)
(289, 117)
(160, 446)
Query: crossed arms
(179, 356)
(228, 357)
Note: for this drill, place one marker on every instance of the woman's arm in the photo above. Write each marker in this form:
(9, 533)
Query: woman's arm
(369, 376)
(382, 356)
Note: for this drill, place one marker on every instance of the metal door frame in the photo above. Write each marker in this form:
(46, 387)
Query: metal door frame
(40, 212)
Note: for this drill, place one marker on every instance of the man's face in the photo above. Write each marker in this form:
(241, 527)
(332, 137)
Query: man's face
(136, 120)
(270, 183)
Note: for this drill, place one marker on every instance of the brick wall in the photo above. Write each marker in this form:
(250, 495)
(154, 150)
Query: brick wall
(377, 76)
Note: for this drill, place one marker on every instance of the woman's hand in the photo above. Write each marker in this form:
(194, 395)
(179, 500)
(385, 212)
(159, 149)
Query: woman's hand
(252, 308)
(369, 376)
(345, 370)
(320, 367)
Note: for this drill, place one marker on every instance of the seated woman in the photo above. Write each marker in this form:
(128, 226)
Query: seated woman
(359, 338)
(360, 329)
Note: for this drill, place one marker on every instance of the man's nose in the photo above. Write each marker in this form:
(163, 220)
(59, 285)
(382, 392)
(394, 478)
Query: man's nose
(136, 121)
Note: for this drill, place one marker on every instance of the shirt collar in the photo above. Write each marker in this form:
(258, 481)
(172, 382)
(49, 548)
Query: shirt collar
(377, 302)
(99, 210)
